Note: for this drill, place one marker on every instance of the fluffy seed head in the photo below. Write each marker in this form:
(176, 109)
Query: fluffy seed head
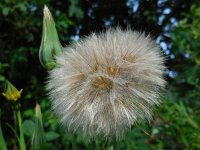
(106, 82)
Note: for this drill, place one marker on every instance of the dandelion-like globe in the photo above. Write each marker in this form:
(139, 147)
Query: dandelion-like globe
(106, 82)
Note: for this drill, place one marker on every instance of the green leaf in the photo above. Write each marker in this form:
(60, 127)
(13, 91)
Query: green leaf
(28, 127)
(5, 11)
(2, 141)
(74, 2)
(13, 130)
(79, 13)
(50, 136)
(75, 10)
(22, 7)
(2, 78)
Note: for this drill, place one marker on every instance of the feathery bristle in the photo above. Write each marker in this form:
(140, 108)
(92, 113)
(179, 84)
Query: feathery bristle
(106, 82)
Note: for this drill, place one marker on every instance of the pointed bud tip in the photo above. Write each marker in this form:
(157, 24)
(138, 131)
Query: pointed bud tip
(46, 8)
(47, 13)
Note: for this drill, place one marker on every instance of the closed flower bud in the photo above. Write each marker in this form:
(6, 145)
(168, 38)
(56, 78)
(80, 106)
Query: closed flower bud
(11, 93)
(50, 45)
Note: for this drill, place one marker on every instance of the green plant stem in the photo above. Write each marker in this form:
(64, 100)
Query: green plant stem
(2, 141)
(15, 126)
(115, 144)
(21, 136)
(74, 146)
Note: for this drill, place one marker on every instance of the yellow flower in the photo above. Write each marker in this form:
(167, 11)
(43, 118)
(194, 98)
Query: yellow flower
(11, 93)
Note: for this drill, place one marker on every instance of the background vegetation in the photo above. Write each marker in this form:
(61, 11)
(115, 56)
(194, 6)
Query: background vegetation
(175, 25)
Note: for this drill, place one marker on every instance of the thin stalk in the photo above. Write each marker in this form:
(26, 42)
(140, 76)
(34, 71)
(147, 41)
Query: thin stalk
(74, 146)
(115, 144)
(21, 136)
(2, 141)
(15, 127)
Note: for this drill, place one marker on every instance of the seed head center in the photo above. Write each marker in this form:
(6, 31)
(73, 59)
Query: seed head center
(112, 71)
(103, 83)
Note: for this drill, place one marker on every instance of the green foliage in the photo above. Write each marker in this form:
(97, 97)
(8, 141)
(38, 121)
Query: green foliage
(2, 141)
(28, 127)
(186, 47)
(75, 10)
(182, 117)
(51, 136)
(3, 66)
(21, 28)
(177, 126)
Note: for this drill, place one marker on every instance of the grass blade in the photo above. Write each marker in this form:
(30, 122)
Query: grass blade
(2, 141)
